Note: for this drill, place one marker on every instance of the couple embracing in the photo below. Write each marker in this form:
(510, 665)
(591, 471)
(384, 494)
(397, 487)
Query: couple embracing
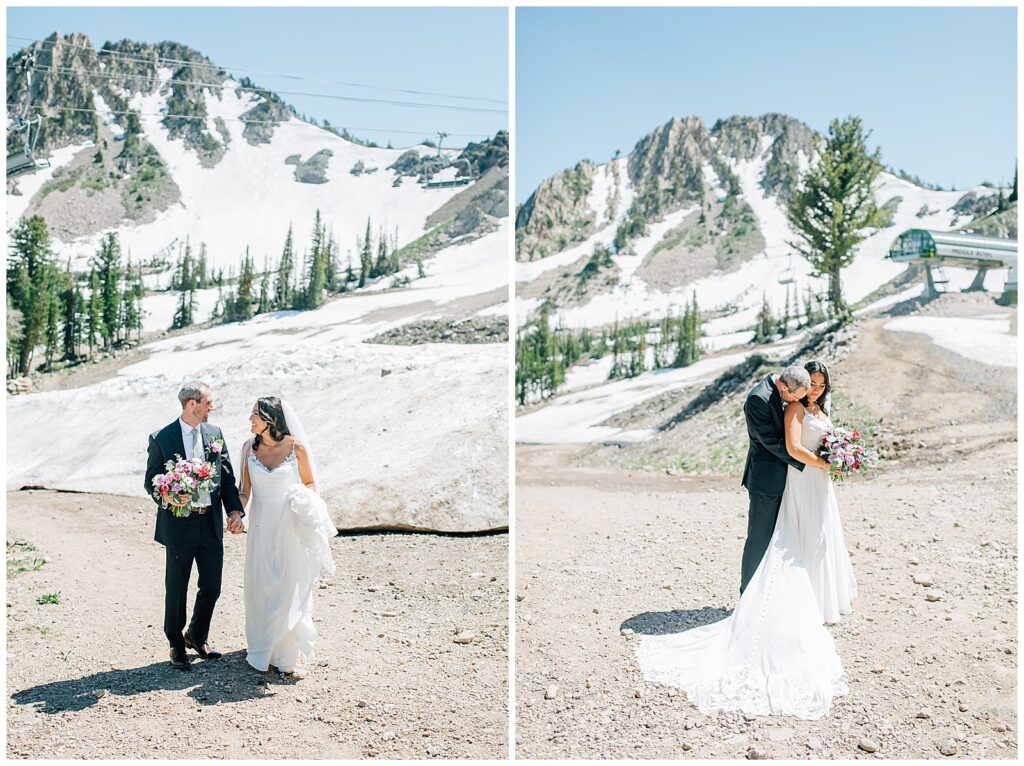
(289, 530)
(773, 655)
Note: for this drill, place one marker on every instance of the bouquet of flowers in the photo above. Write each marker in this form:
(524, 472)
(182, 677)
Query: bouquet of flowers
(842, 448)
(179, 488)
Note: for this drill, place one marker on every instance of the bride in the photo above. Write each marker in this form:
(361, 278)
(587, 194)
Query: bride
(773, 655)
(288, 538)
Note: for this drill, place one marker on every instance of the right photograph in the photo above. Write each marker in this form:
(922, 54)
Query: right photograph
(766, 383)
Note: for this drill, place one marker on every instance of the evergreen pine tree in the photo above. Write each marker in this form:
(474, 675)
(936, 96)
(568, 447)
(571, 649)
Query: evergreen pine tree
(31, 283)
(1013, 192)
(834, 205)
(764, 329)
(201, 275)
(52, 336)
(316, 280)
(244, 300)
(70, 300)
(107, 263)
(365, 256)
(183, 317)
(333, 268)
(94, 316)
(264, 303)
(283, 283)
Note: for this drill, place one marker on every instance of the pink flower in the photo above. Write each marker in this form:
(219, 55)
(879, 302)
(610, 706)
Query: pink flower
(216, 446)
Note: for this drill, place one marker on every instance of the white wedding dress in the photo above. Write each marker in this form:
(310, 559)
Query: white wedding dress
(289, 532)
(773, 655)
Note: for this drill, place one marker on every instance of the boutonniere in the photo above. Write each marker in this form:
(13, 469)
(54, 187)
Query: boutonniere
(216, 446)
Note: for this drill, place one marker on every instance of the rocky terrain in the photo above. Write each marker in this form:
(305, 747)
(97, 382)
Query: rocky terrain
(411, 656)
(617, 540)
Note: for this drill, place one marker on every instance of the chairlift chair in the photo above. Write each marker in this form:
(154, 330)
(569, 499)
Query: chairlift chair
(25, 161)
(788, 275)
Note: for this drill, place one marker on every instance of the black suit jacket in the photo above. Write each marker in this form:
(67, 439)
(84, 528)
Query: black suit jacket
(167, 443)
(767, 458)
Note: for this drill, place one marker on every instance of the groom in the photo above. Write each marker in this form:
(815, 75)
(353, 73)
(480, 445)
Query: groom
(764, 475)
(199, 536)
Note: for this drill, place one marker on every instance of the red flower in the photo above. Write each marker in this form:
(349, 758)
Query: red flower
(856, 435)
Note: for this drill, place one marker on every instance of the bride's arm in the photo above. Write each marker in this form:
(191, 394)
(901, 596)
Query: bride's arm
(793, 421)
(245, 488)
(304, 470)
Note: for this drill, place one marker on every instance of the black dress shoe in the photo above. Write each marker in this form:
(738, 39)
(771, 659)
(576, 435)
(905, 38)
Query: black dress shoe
(204, 650)
(179, 659)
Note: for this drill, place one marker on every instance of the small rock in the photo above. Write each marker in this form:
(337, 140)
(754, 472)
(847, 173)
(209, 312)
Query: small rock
(963, 707)
(867, 745)
(949, 748)
(99, 694)
(360, 703)
(877, 669)
(384, 372)
(638, 693)
(925, 579)
(465, 637)
(387, 736)
(551, 692)
(686, 746)
(924, 713)
(934, 595)
(626, 631)
(757, 753)
(814, 744)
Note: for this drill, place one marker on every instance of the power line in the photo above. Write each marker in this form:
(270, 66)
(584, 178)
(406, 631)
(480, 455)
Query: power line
(244, 122)
(155, 59)
(358, 99)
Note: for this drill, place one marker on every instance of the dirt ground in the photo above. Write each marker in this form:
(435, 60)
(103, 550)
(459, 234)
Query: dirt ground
(89, 677)
(932, 669)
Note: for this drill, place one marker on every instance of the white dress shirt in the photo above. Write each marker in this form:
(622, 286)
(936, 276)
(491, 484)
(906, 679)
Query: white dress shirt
(187, 435)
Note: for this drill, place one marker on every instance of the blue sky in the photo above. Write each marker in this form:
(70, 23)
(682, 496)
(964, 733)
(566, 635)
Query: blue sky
(461, 51)
(937, 86)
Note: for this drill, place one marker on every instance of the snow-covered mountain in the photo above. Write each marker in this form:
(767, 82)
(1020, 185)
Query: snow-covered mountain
(408, 433)
(698, 209)
(159, 180)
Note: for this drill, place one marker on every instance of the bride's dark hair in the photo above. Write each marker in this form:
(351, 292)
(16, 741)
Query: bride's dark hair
(815, 366)
(270, 411)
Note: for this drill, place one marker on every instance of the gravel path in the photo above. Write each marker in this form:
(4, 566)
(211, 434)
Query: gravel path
(89, 678)
(602, 550)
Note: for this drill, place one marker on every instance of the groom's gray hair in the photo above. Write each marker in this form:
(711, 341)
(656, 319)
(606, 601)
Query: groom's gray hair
(194, 391)
(795, 376)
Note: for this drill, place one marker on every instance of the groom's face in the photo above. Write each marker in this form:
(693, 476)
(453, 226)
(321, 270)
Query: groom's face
(204, 407)
(792, 396)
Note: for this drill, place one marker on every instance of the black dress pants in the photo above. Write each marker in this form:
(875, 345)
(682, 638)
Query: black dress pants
(761, 518)
(202, 546)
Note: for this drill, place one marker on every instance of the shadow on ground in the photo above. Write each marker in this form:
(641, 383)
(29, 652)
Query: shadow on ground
(210, 682)
(676, 621)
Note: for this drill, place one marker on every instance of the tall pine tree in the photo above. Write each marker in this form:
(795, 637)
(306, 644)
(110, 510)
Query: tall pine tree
(834, 205)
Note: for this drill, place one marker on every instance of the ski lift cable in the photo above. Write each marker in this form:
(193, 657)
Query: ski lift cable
(246, 122)
(358, 99)
(142, 59)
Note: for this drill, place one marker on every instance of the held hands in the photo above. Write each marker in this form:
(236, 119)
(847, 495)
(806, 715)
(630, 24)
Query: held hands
(235, 525)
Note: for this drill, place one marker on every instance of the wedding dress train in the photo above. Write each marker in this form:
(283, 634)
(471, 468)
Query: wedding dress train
(772, 655)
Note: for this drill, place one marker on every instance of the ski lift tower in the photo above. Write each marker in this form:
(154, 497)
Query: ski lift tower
(25, 161)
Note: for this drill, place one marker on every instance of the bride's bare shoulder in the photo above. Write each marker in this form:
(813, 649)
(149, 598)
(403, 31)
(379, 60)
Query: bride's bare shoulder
(299, 447)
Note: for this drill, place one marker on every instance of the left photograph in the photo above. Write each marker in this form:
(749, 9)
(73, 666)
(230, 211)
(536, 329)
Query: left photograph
(257, 383)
